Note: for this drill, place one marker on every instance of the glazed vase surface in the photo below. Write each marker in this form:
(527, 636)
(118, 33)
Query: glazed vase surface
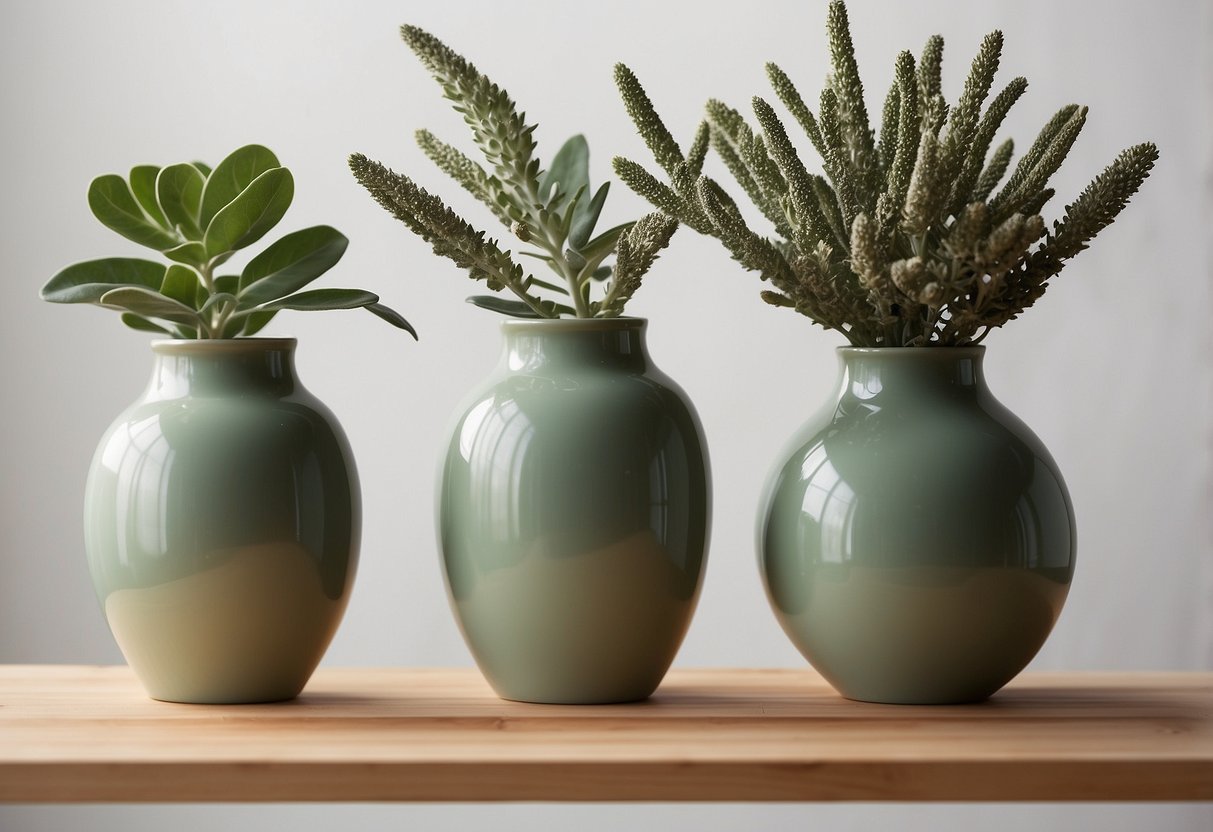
(222, 522)
(918, 541)
(573, 515)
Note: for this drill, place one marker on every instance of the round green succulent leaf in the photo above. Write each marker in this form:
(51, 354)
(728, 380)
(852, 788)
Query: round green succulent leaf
(112, 203)
(317, 299)
(192, 253)
(143, 186)
(199, 218)
(141, 324)
(291, 263)
(248, 217)
(181, 283)
(150, 304)
(179, 190)
(231, 176)
(227, 284)
(86, 282)
(253, 322)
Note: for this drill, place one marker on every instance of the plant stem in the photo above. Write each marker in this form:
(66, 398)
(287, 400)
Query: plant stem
(213, 327)
(554, 248)
(207, 270)
(567, 272)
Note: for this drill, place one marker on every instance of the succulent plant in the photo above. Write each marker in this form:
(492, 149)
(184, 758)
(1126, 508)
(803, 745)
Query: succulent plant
(555, 211)
(198, 218)
(904, 241)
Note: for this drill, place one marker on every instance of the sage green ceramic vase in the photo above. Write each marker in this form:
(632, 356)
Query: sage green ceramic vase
(222, 524)
(573, 515)
(918, 543)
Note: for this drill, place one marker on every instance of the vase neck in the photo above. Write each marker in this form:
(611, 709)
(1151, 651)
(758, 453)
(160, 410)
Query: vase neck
(241, 366)
(872, 373)
(615, 343)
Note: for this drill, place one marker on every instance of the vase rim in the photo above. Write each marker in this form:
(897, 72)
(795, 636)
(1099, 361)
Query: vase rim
(621, 323)
(971, 350)
(222, 346)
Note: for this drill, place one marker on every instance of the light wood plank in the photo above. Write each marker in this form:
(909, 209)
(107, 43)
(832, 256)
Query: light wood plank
(89, 734)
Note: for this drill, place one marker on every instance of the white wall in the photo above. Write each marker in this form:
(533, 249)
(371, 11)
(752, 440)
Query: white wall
(1112, 368)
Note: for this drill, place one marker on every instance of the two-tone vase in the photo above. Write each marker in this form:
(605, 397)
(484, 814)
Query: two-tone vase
(222, 523)
(917, 541)
(573, 514)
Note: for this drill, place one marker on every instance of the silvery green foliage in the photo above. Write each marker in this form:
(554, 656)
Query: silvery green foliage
(903, 241)
(198, 218)
(555, 211)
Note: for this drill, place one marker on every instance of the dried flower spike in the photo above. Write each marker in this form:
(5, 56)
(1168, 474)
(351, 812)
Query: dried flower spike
(904, 242)
(554, 211)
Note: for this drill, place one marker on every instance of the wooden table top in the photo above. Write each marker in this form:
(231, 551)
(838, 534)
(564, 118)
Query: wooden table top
(90, 734)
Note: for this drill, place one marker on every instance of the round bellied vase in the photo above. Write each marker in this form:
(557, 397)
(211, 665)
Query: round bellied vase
(917, 541)
(222, 522)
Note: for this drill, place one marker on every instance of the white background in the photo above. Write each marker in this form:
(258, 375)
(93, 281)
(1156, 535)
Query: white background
(1112, 369)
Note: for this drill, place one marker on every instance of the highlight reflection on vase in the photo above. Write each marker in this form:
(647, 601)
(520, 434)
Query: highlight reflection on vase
(573, 515)
(918, 543)
(222, 524)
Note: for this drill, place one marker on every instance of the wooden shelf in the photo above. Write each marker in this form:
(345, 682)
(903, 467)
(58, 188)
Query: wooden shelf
(76, 734)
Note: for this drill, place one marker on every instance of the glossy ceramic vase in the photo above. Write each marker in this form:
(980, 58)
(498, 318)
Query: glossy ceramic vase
(573, 515)
(918, 542)
(222, 524)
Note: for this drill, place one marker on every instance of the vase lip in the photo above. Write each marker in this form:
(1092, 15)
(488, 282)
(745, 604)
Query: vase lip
(221, 346)
(618, 324)
(944, 353)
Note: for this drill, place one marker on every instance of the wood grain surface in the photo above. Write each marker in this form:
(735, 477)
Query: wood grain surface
(90, 734)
